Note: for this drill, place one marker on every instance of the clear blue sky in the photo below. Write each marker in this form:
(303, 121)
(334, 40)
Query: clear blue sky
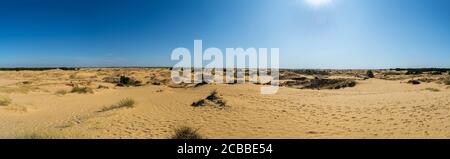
(309, 33)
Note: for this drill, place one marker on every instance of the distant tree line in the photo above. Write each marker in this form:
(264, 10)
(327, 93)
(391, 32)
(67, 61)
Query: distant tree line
(416, 71)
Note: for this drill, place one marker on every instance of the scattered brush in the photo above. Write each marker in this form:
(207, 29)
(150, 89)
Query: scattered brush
(5, 101)
(186, 133)
(81, 90)
(319, 83)
(124, 103)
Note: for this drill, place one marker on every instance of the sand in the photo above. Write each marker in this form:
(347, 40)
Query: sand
(40, 104)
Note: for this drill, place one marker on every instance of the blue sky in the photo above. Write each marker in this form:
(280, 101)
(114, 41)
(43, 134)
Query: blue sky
(309, 33)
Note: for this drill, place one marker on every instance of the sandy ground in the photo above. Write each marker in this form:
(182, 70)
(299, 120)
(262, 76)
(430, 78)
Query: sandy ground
(374, 108)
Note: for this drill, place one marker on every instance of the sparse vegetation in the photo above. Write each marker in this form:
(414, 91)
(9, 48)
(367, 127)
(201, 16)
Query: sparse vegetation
(124, 103)
(432, 89)
(5, 101)
(319, 83)
(370, 74)
(81, 90)
(125, 81)
(414, 82)
(186, 133)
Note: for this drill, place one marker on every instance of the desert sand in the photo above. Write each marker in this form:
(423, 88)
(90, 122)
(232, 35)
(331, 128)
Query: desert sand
(40, 104)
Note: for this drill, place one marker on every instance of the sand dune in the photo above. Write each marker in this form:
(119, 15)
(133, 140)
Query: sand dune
(41, 103)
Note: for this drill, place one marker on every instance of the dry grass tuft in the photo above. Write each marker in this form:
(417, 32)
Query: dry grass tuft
(185, 132)
(124, 103)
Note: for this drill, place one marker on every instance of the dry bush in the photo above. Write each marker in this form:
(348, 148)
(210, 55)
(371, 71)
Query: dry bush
(185, 132)
(370, 74)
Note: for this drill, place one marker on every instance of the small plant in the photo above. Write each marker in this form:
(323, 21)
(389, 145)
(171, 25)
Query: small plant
(186, 133)
(5, 101)
(414, 82)
(124, 103)
(370, 74)
(81, 90)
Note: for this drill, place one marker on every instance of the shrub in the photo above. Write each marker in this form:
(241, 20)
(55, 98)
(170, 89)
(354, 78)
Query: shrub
(370, 74)
(127, 81)
(414, 82)
(186, 133)
(124, 103)
(81, 90)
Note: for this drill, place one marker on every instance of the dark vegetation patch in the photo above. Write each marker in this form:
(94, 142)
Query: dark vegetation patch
(370, 74)
(417, 71)
(320, 83)
(212, 99)
(186, 133)
(413, 82)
